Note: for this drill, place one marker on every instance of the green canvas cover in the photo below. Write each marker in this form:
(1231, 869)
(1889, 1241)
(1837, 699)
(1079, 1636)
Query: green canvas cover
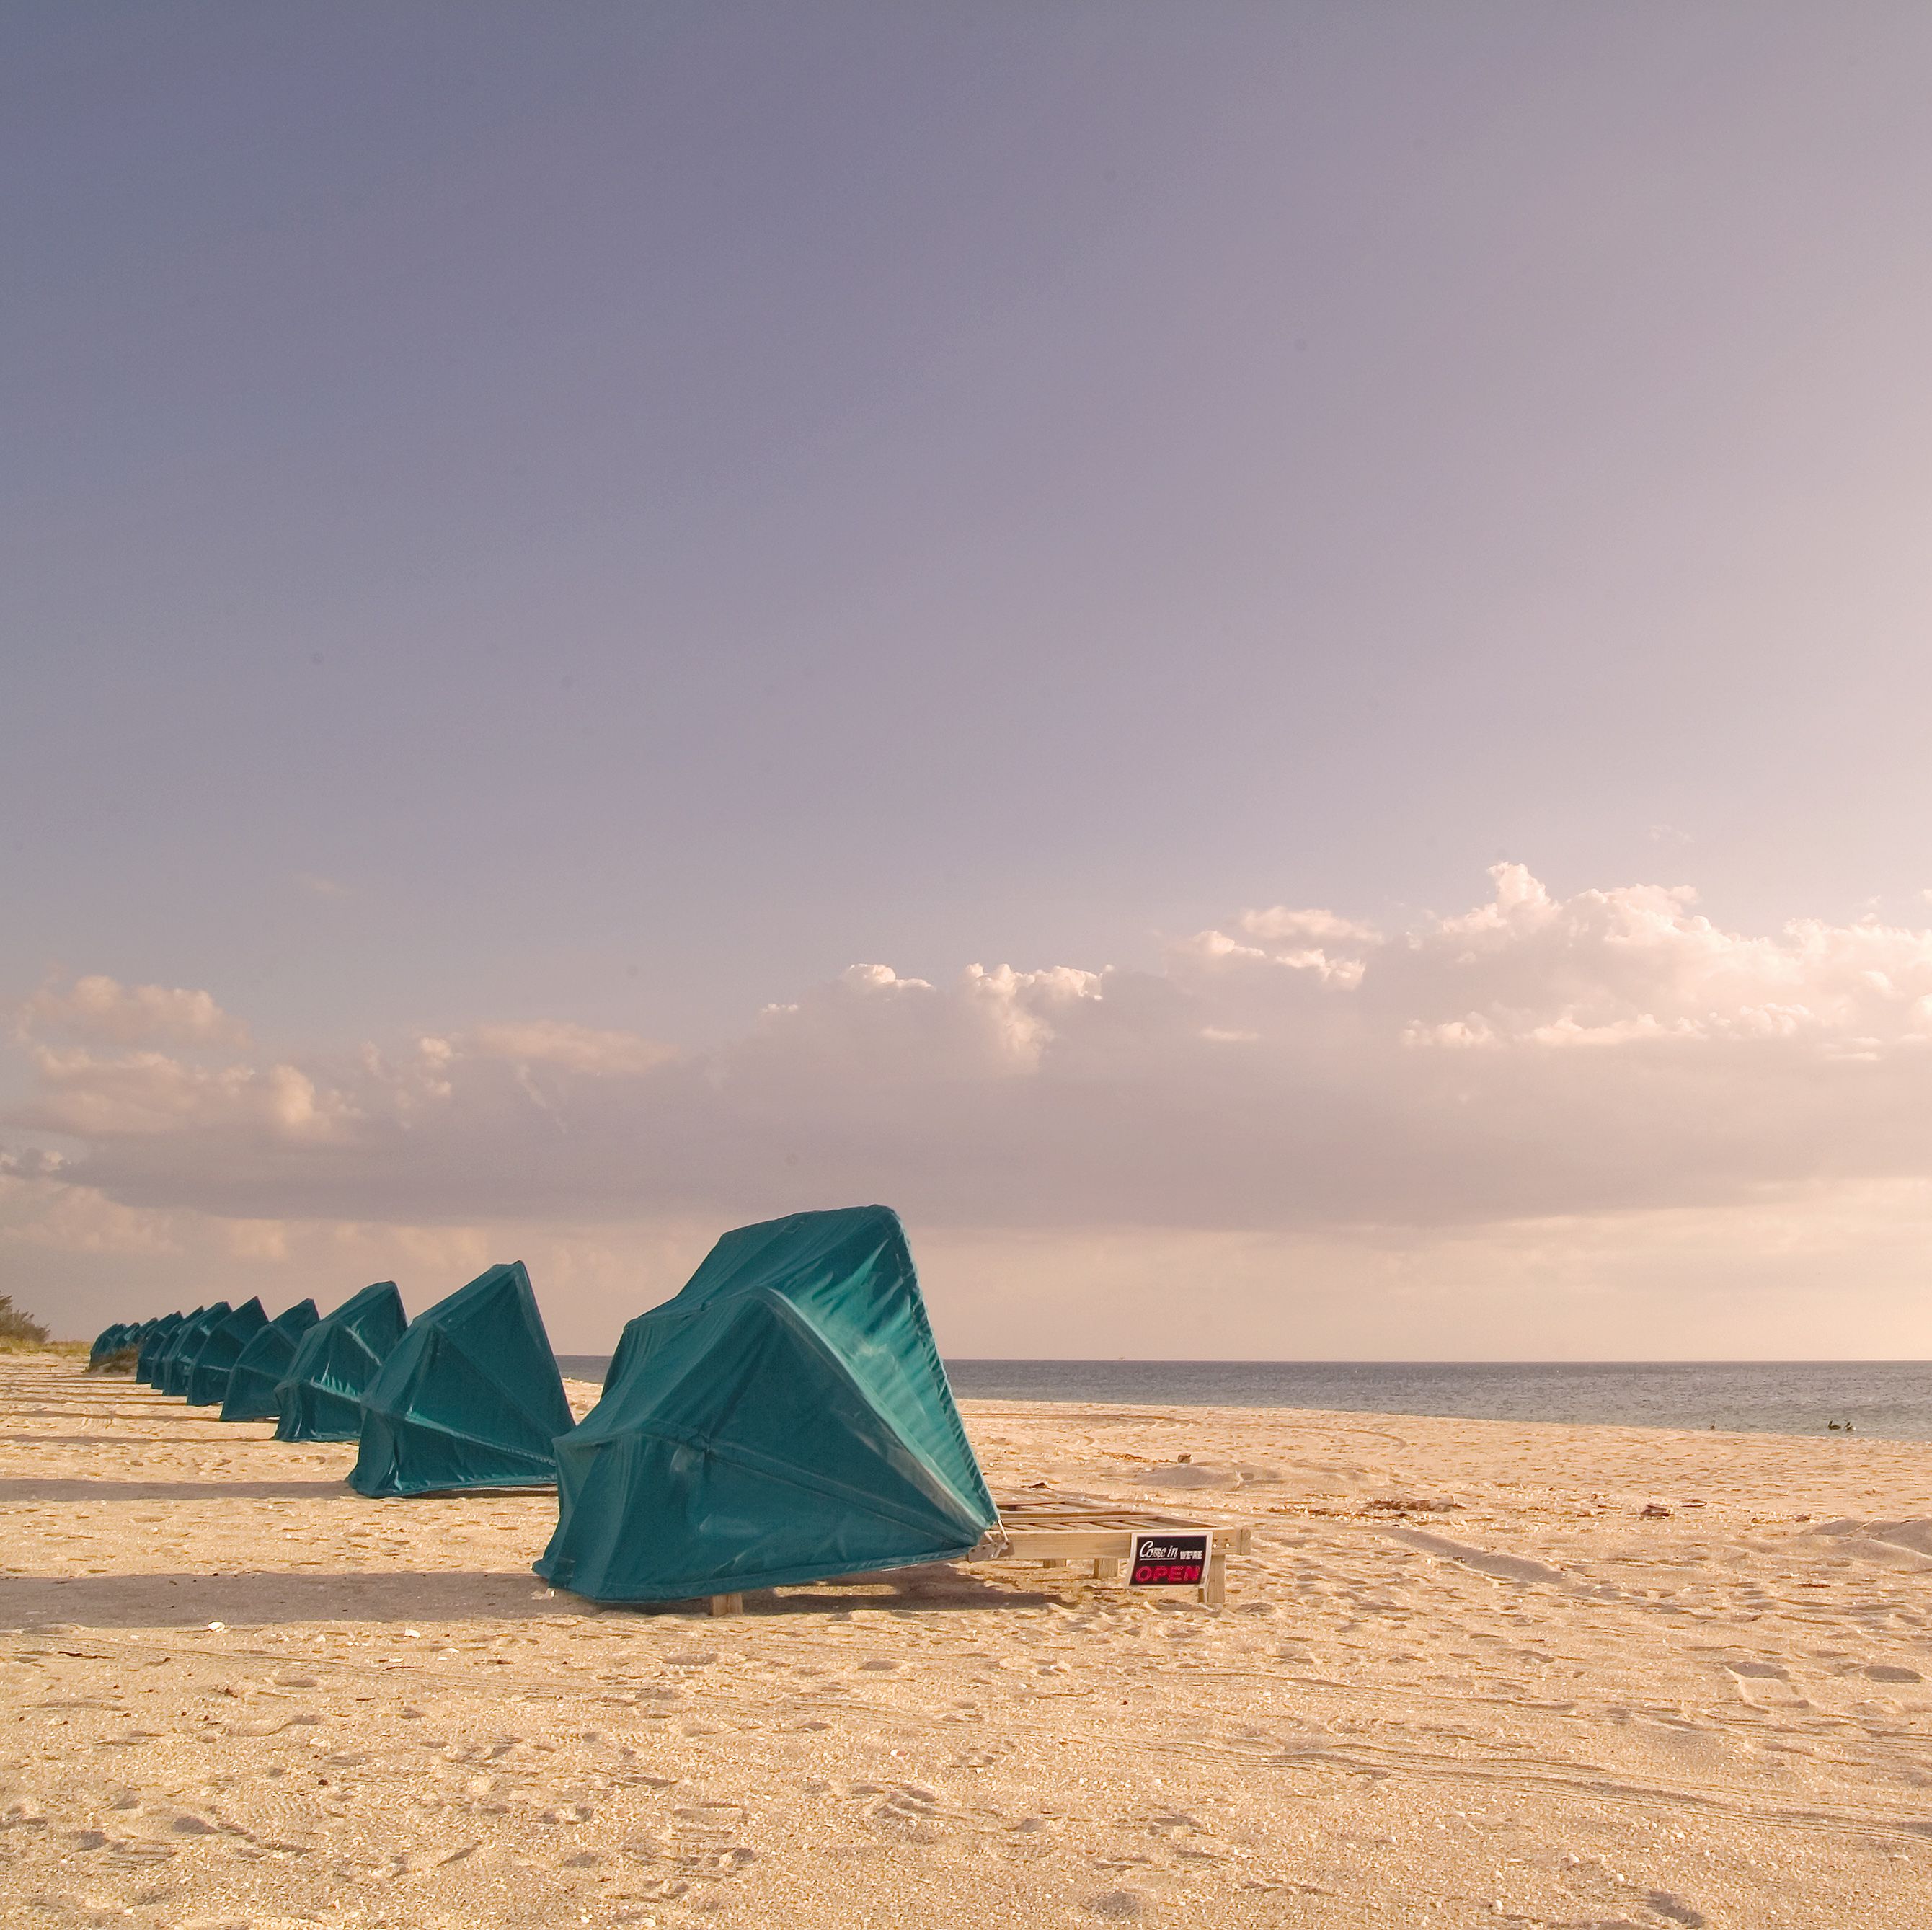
(188, 1344)
(151, 1336)
(152, 1348)
(208, 1379)
(785, 1418)
(259, 1369)
(112, 1339)
(471, 1398)
(132, 1335)
(190, 1325)
(321, 1394)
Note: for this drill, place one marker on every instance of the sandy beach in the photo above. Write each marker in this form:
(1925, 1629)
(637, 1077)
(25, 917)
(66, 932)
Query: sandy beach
(1464, 1677)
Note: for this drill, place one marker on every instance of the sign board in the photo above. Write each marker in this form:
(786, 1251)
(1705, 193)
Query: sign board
(1168, 1561)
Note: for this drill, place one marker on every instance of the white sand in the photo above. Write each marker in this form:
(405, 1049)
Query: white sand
(1535, 1707)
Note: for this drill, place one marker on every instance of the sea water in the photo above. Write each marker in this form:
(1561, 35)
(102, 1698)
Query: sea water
(1887, 1399)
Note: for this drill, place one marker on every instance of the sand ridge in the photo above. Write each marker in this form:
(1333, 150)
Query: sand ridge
(1462, 1679)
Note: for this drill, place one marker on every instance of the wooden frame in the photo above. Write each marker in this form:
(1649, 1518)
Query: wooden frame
(1055, 1531)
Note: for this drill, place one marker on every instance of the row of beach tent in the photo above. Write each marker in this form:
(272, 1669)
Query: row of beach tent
(785, 1418)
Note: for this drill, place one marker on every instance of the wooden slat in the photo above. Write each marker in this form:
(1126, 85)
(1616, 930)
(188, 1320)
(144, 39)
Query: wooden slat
(1067, 1545)
(1032, 1522)
(1054, 1530)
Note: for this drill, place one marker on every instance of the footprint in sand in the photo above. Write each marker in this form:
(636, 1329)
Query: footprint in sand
(1190, 1474)
(1163, 1822)
(1675, 1910)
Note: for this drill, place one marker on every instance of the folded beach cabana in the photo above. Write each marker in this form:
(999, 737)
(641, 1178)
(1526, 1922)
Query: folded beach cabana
(147, 1365)
(188, 1344)
(188, 1333)
(150, 1336)
(112, 1339)
(259, 1368)
(471, 1397)
(785, 1418)
(321, 1394)
(208, 1379)
(122, 1343)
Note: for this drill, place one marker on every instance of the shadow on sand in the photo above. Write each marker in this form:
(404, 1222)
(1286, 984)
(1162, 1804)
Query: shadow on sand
(38, 1487)
(262, 1600)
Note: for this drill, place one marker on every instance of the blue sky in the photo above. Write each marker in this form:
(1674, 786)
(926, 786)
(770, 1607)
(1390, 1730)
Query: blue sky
(607, 517)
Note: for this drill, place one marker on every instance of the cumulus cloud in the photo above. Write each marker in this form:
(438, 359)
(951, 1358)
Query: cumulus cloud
(1282, 924)
(1296, 1071)
(576, 1049)
(40, 1208)
(93, 1097)
(102, 1008)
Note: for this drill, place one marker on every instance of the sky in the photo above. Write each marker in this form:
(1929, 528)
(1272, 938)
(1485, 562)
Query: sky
(1268, 664)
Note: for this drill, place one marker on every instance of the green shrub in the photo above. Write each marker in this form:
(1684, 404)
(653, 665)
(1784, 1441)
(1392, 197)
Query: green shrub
(20, 1331)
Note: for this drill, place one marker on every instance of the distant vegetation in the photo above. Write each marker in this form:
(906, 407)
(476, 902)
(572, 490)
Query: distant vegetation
(20, 1333)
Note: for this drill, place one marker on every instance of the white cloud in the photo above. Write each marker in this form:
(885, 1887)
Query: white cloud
(1281, 924)
(1297, 1073)
(30, 1162)
(257, 1239)
(90, 1098)
(39, 1209)
(100, 1007)
(550, 1042)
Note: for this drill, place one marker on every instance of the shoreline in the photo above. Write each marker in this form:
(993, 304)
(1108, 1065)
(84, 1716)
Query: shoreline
(1462, 1677)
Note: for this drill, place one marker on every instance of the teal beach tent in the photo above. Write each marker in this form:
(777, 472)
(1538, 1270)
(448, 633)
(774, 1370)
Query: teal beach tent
(111, 1340)
(208, 1379)
(259, 1368)
(165, 1329)
(321, 1394)
(128, 1338)
(785, 1418)
(188, 1328)
(158, 1330)
(471, 1398)
(188, 1344)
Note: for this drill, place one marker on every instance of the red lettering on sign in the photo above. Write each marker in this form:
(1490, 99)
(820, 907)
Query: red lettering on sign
(1169, 1561)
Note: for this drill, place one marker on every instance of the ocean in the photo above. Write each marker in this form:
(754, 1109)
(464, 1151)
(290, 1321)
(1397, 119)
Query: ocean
(1888, 1399)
